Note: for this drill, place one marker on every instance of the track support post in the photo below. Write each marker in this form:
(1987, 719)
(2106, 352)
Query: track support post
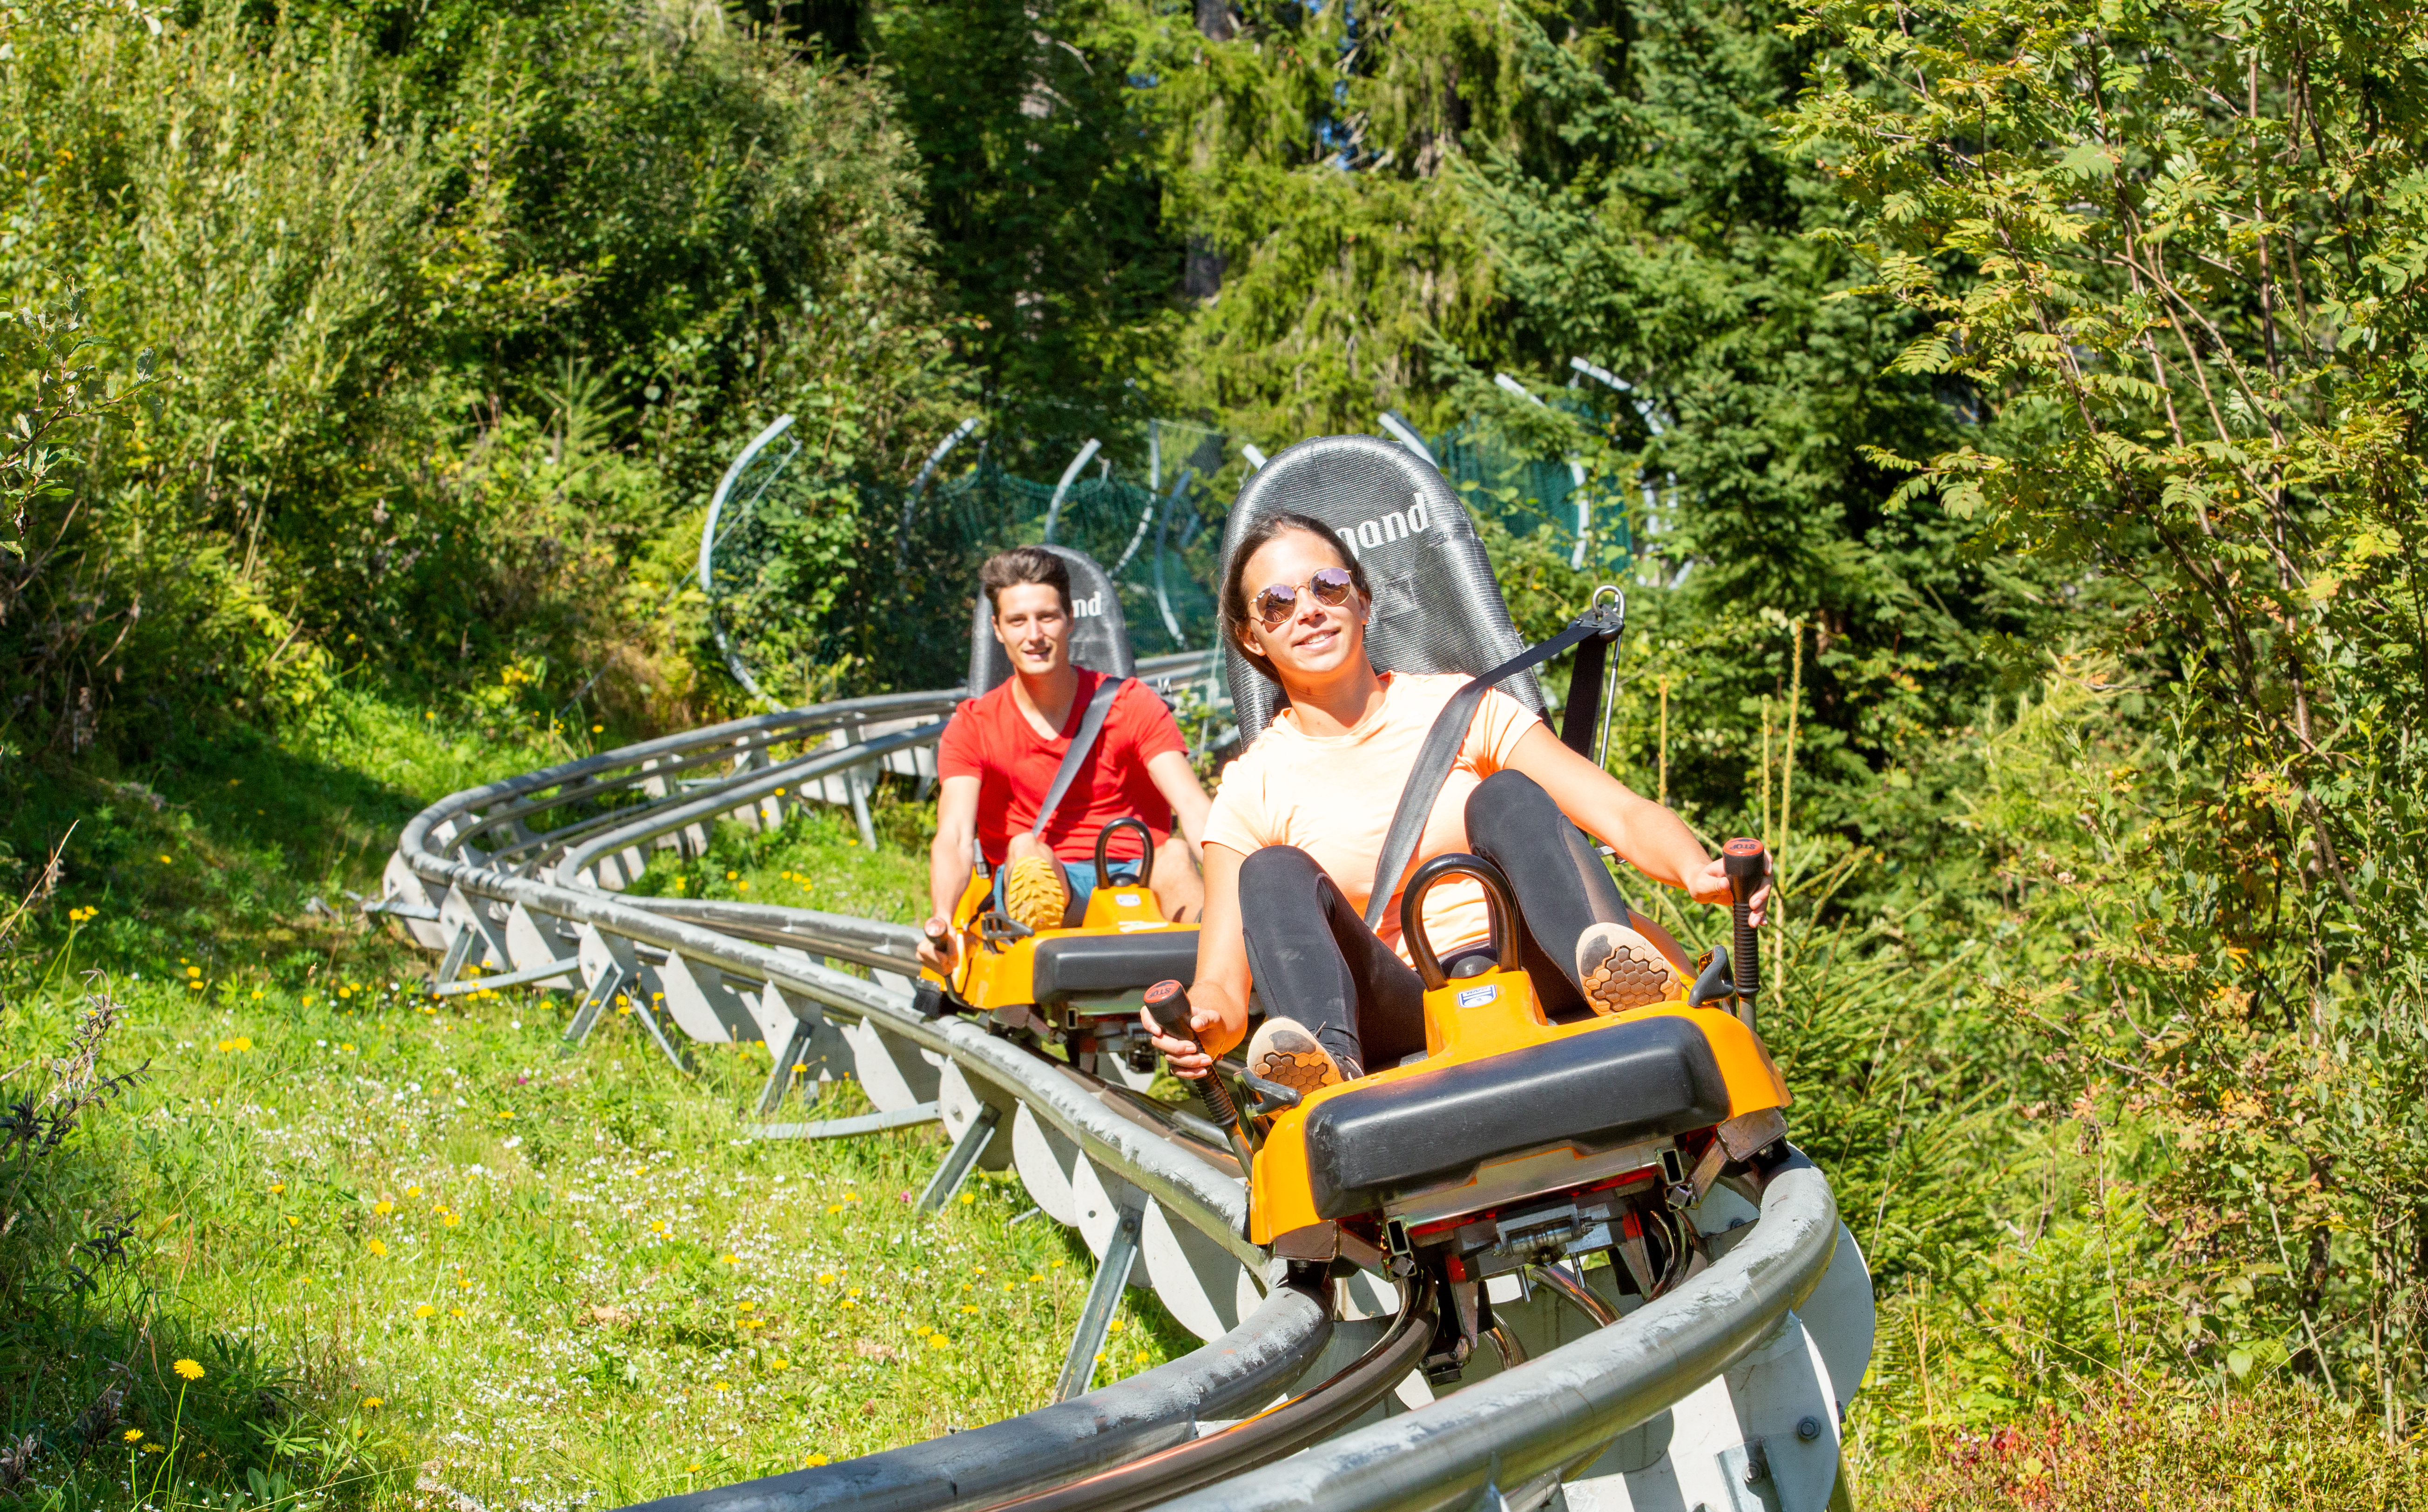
(795, 1051)
(1112, 1274)
(963, 1154)
(586, 1014)
(459, 950)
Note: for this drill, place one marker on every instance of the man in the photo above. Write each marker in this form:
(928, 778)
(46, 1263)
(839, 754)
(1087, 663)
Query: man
(997, 761)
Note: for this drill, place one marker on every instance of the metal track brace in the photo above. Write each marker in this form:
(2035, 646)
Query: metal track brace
(1113, 1274)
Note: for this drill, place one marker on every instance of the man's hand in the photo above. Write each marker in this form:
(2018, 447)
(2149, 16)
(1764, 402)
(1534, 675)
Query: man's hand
(941, 951)
(1711, 885)
(1186, 1060)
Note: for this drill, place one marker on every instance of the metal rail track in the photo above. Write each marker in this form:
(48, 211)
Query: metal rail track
(523, 878)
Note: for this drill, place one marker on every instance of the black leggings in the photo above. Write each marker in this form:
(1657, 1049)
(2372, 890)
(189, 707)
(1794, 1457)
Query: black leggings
(1315, 960)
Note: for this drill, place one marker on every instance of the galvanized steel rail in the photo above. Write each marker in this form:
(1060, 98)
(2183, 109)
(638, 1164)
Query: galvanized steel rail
(475, 877)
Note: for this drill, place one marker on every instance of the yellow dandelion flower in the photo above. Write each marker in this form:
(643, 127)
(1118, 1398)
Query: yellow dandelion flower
(1113, 1327)
(813, 1461)
(134, 1435)
(165, 862)
(1034, 1277)
(458, 1313)
(825, 1279)
(413, 1192)
(968, 1197)
(939, 1341)
(190, 1370)
(370, 1402)
(719, 1386)
(780, 1363)
(855, 1292)
(972, 1308)
(452, 1219)
(194, 971)
(746, 1307)
(383, 1207)
(834, 1208)
(730, 876)
(692, 1469)
(658, 1227)
(278, 1187)
(376, 1247)
(293, 1222)
(1142, 1356)
(732, 1259)
(425, 1311)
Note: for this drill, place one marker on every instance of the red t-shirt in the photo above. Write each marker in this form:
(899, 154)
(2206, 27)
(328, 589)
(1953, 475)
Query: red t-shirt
(991, 740)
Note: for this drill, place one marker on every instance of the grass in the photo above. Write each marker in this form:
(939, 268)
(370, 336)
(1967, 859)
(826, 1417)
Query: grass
(414, 1250)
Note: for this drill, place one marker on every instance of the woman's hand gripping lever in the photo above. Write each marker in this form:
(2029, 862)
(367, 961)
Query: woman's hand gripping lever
(1748, 871)
(1167, 1009)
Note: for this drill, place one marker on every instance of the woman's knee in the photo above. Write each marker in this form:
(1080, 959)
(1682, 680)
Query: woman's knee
(1507, 799)
(1276, 869)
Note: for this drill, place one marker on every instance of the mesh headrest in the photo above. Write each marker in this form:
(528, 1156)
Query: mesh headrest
(1436, 607)
(1099, 641)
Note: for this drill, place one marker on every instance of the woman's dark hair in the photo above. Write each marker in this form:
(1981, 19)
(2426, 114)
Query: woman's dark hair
(1026, 564)
(1234, 607)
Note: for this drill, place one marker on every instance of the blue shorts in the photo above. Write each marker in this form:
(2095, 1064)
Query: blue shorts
(1079, 879)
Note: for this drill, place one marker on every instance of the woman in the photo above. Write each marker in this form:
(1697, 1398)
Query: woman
(1297, 828)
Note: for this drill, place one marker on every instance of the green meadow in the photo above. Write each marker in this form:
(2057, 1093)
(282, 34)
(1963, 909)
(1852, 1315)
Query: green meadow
(416, 1249)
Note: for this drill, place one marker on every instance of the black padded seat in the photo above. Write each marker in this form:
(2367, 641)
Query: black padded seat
(1111, 965)
(1100, 641)
(1615, 1086)
(1436, 607)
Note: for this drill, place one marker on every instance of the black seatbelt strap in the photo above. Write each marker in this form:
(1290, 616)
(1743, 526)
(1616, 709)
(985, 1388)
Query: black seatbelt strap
(1435, 757)
(1091, 724)
(1585, 697)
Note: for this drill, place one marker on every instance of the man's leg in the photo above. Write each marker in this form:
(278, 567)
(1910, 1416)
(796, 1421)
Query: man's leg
(1035, 894)
(1315, 962)
(1179, 891)
(1563, 888)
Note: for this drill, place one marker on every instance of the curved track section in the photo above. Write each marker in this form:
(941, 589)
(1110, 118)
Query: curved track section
(520, 882)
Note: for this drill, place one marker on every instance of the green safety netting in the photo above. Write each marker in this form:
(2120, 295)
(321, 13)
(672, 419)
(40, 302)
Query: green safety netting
(799, 586)
(1528, 493)
(1157, 544)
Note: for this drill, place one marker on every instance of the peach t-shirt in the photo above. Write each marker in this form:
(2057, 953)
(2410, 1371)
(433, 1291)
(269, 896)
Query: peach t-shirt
(1333, 796)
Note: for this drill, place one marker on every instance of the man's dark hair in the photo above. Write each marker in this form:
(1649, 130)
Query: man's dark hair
(1234, 606)
(1026, 564)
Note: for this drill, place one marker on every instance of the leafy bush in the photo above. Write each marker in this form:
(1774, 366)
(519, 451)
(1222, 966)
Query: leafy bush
(444, 354)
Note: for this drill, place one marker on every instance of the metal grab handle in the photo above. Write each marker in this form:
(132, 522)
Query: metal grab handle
(1146, 850)
(1503, 904)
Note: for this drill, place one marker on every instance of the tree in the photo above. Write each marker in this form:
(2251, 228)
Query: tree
(2177, 250)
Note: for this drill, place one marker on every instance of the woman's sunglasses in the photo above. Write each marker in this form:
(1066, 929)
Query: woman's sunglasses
(1330, 587)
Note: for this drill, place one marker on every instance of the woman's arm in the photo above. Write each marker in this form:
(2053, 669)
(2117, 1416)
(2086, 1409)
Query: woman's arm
(1656, 841)
(1218, 1000)
(1177, 781)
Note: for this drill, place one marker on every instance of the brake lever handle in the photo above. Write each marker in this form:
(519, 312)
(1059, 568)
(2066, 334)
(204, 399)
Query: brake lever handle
(1167, 1003)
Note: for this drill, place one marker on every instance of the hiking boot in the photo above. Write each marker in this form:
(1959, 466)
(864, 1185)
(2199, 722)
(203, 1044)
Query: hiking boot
(1284, 1052)
(1032, 893)
(1621, 969)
